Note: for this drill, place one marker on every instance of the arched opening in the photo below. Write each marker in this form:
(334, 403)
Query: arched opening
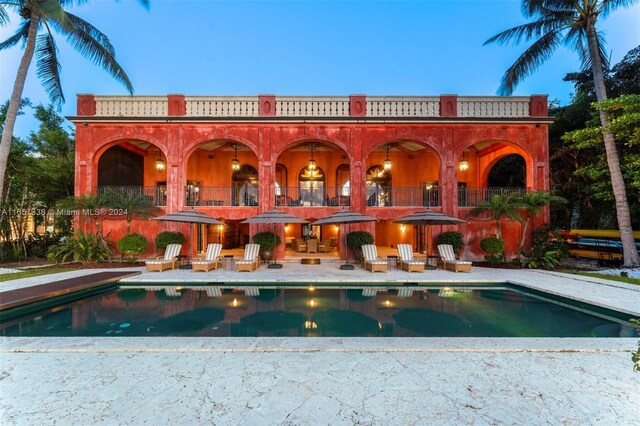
(311, 186)
(379, 186)
(134, 167)
(415, 168)
(509, 172)
(491, 168)
(222, 173)
(281, 178)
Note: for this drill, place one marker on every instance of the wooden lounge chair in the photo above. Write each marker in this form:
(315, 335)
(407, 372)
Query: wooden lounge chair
(449, 260)
(407, 262)
(251, 259)
(211, 259)
(324, 246)
(371, 260)
(168, 261)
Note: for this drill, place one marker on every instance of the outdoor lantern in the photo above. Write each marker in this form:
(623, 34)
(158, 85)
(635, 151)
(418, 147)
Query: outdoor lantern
(160, 166)
(235, 163)
(312, 163)
(387, 161)
(463, 165)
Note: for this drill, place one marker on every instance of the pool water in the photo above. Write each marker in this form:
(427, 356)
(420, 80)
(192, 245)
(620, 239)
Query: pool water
(483, 311)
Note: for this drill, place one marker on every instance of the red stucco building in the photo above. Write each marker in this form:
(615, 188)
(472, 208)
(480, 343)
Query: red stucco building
(233, 157)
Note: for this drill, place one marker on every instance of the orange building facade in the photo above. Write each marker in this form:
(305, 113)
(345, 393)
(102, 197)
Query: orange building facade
(234, 157)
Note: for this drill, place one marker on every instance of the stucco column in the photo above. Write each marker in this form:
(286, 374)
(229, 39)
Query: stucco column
(449, 173)
(176, 168)
(357, 171)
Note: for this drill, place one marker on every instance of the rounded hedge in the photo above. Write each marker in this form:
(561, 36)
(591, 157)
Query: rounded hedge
(492, 245)
(132, 244)
(165, 238)
(454, 238)
(357, 239)
(266, 240)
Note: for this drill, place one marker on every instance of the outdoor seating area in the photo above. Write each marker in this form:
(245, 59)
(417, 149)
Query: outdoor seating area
(407, 262)
(168, 261)
(251, 259)
(449, 260)
(211, 259)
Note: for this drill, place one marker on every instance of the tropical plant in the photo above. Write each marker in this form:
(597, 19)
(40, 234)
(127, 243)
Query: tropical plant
(165, 238)
(267, 240)
(45, 16)
(80, 248)
(89, 206)
(573, 24)
(453, 238)
(495, 247)
(532, 203)
(635, 355)
(548, 249)
(356, 239)
(131, 205)
(133, 245)
(498, 207)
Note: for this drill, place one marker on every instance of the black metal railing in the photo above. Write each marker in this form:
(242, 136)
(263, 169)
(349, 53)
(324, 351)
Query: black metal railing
(156, 194)
(217, 196)
(311, 197)
(471, 197)
(381, 196)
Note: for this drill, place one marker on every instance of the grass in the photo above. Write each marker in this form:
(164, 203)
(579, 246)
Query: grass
(32, 273)
(635, 281)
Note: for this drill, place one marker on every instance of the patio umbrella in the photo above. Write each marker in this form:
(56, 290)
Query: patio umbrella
(272, 217)
(345, 217)
(428, 217)
(188, 216)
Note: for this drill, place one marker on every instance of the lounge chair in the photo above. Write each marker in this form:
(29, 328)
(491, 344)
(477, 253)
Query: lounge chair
(211, 259)
(301, 245)
(407, 262)
(251, 259)
(324, 246)
(371, 260)
(168, 261)
(449, 260)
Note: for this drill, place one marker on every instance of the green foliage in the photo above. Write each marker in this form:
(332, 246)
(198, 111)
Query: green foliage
(454, 238)
(132, 244)
(498, 207)
(495, 248)
(38, 244)
(80, 248)
(266, 240)
(165, 238)
(133, 205)
(635, 355)
(624, 115)
(548, 249)
(356, 239)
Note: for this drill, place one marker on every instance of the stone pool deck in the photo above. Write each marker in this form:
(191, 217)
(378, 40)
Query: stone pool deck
(327, 380)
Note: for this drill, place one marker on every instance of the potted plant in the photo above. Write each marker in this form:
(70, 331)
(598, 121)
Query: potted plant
(495, 247)
(268, 241)
(165, 238)
(132, 244)
(356, 239)
(453, 238)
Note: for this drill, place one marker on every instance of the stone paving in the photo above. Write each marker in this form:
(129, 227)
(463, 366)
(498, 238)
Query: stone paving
(328, 380)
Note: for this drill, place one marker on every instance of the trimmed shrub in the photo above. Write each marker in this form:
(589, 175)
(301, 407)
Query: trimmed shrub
(357, 239)
(454, 238)
(266, 240)
(132, 244)
(495, 247)
(165, 238)
(80, 248)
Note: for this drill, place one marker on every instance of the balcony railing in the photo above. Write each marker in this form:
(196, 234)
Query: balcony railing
(220, 196)
(471, 197)
(311, 197)
(382, 196)
(156, 194)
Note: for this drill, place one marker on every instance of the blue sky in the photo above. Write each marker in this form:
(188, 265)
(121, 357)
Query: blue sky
(307, 48)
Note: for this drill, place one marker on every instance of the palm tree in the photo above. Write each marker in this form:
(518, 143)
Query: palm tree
(89, 206)
(532, 203)
(44, 16)
(132, 204)
(573, 23)
(498, 207)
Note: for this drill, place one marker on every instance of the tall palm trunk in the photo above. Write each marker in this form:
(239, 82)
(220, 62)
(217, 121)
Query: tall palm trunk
(525, 227)
(498, 229)
(630, 252)
(16, 95)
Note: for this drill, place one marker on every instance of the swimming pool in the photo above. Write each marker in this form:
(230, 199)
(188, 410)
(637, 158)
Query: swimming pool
(483, 310)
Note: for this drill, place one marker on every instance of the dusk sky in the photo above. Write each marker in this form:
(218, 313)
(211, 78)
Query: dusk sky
(307, 48)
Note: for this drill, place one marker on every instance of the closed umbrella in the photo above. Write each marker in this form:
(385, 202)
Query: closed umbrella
(345, 217)
(188, 216)
(273, 217)
(428, 217)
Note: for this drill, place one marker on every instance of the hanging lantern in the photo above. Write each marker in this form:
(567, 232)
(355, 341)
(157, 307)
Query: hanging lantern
(463, 166)
(387, 162)
(312, 163)
(160, 165)
(235, 163)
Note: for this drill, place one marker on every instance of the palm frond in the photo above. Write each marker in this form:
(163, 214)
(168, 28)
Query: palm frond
(4, 16)
(52, 11)
(609, 6)
(576, 38)
(48, 67)
(21, 34)
(529, 61)
(526, 31)
(99, 51)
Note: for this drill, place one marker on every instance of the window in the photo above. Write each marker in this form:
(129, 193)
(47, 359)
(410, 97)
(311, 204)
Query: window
(244, 190)
(311, 189)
